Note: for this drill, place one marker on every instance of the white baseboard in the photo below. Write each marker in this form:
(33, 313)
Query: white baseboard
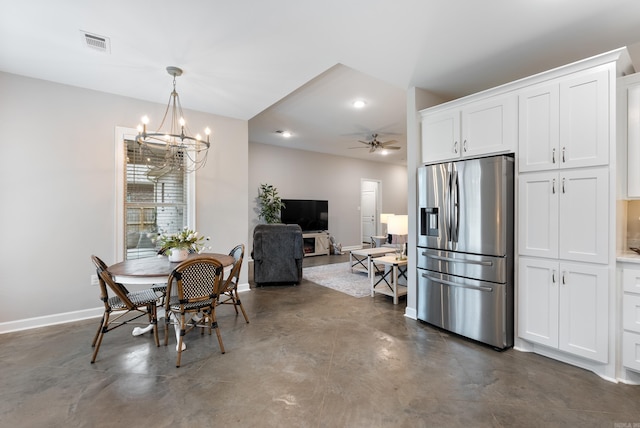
(47, 320)
(411, 313)
(66, 317)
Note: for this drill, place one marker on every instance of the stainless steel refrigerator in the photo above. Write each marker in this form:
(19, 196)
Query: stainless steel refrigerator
(465, 248)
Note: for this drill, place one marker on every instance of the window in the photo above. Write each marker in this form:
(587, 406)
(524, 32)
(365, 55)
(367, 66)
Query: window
(150, 201)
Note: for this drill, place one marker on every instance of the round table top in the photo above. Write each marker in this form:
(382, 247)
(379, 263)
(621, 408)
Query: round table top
(158, 266)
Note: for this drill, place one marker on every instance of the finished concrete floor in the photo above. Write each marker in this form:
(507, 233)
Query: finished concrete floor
(310, 357)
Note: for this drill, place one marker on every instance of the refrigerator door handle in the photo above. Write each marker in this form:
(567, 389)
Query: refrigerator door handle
(455, 284)
(448, 259)
(455, 207)
(447, 217)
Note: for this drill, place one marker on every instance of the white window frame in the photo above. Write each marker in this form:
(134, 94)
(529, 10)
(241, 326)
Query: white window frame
(122, 134)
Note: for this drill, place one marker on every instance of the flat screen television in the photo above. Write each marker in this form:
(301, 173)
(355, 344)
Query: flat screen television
(310, 215)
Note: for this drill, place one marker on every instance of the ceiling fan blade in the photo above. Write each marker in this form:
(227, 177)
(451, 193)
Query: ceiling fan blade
(357, 147)
(392, 148)
(364, 142)
(388, 142)
(373, 149)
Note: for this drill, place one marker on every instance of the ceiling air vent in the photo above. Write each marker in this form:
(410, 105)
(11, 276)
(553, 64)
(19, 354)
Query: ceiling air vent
(96, 42)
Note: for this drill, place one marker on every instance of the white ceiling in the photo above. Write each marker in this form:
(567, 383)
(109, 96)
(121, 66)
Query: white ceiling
(297, 64)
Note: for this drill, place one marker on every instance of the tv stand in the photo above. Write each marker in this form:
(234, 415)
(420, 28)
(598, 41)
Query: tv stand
(315, 243)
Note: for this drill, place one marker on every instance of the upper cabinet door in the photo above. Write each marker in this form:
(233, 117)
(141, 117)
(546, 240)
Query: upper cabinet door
(490, 126)
(539, 128)
(584, 118)
(441, 136)
(633, 141)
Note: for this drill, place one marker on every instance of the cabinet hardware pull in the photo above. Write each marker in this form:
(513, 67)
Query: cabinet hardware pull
(563, 191)
(553, 186)
(553, 155)
(564, 281)
(563, 158)
(455, 147)
(464, 146)
(553, 276)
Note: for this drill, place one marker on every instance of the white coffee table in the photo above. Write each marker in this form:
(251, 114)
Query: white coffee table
(360, 260)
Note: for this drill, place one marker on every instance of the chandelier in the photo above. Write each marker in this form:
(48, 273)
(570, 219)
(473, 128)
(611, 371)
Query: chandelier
(172, 147)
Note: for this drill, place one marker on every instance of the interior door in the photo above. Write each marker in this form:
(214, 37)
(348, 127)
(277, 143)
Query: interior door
(368, 209)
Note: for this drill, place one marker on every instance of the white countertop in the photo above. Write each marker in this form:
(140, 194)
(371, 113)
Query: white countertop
(628, 257)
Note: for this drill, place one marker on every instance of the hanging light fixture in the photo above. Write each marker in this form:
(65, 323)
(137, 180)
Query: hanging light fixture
(172, 147)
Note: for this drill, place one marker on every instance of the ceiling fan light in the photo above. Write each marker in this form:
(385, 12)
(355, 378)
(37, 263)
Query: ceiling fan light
(359, 104)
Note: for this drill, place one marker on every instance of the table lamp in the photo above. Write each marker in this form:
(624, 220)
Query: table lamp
(384, 220)
(399, 226)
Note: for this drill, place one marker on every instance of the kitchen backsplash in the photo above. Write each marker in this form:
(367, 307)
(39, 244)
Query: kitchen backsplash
(633, 224)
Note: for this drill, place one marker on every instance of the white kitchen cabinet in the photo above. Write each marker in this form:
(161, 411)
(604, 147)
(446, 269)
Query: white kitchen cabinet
(564, 306)
(564, 123)
(538, 301)
(539, 128)
(564, 215)
(482, 127)
(631, 319)
(441, 136)
(632, 123)
(584, 215)
(538, 214)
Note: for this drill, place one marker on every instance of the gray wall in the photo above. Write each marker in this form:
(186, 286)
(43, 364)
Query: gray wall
(57, 175)
(300, 174)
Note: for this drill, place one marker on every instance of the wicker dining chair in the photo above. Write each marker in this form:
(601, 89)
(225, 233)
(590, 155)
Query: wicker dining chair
(122, 307)
(228, 294)
(161, 289)
(100, 266)
(192, 287)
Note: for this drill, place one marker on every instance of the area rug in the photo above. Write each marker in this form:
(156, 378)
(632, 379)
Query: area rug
(338, 276)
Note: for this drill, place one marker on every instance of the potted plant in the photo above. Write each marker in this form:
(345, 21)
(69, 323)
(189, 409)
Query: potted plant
(270, 204)
(178, 245)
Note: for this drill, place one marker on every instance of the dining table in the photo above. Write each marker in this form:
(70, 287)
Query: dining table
(155, 271)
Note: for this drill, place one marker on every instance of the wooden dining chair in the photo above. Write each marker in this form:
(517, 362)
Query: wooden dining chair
(228, 294)
(122, 307)
(193, 287)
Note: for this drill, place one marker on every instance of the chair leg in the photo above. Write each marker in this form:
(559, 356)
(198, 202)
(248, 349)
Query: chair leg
(103, 330)
(167, 321)
(154, 320)
(234, 300)
(214, 325)
(95, 338)
(180, 338)
(239, 303)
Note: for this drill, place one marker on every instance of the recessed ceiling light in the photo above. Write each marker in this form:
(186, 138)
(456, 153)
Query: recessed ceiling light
(359, 103)
(285, 134)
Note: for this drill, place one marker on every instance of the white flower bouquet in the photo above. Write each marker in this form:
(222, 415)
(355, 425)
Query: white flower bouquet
(185, 239)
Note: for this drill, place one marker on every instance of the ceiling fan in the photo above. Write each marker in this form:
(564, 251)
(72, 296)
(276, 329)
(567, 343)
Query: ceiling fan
(374, 144)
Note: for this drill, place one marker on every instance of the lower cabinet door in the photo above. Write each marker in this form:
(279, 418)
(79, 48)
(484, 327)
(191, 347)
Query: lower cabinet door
(584, 310)
(564, 306)
(631, 350)
(538, 301)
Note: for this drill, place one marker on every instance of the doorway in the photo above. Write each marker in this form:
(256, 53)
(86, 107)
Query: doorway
(369, 208)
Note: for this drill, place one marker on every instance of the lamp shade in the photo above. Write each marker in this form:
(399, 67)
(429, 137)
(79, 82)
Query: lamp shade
(384, 218)
(398, 225)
